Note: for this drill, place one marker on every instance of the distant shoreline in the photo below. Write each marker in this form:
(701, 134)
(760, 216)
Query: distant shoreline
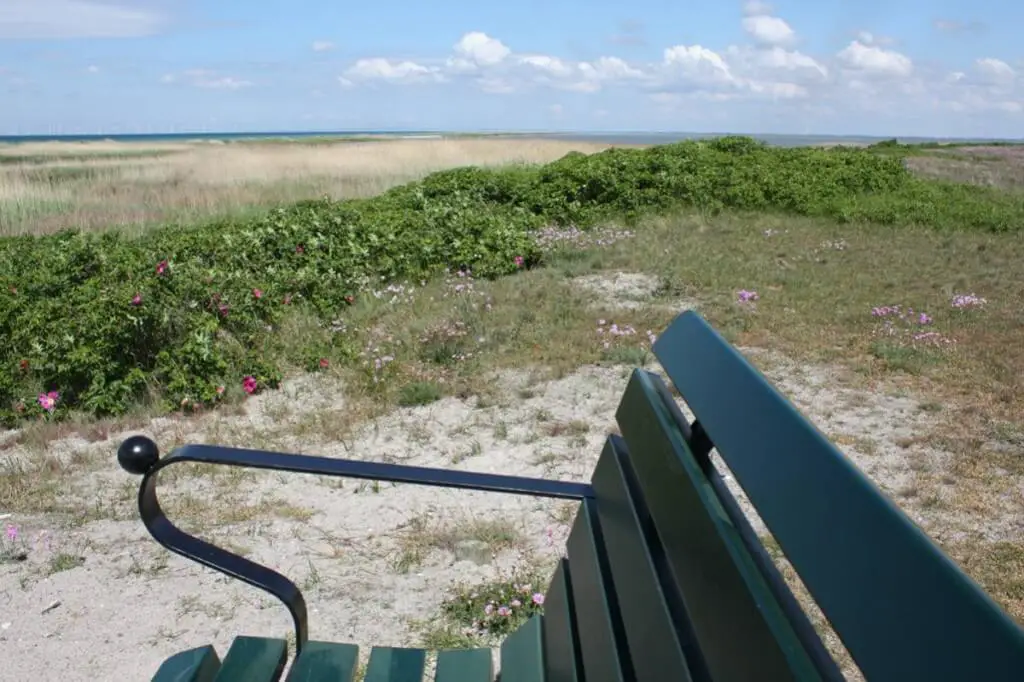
(611, 137)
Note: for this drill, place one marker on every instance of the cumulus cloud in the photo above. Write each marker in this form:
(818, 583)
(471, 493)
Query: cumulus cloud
(867, 75)
(477, 49)
(769, 30)
(62, 19)
(995, 70)
(875, 60)
(699, 63)
(378, 68)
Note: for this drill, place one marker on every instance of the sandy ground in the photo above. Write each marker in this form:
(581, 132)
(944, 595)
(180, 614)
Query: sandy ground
(130, 604)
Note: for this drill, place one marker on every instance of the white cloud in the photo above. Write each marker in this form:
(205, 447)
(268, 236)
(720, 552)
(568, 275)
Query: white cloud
(777, 58)
(92, 69)
(995, 70)
(480, 49)
(378, 68)
(863, 79)
(60, 19)
(769, 30)
(875, 60)
(550, 66)
(322, 46)
(698, 63)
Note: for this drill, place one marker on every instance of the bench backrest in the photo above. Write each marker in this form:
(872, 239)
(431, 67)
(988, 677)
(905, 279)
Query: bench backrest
(666, 580)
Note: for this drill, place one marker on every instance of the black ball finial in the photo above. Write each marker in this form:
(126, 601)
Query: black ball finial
(137, 455)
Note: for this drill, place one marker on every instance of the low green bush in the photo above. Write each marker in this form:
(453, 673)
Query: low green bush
(100, 322)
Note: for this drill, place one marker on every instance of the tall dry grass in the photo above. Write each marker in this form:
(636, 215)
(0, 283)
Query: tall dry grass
(46, 187)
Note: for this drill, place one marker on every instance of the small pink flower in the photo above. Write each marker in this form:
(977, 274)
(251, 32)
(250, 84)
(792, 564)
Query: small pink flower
(12, 533)
(515, 603)
(220, 390)
(489, 609)
(924, 319)
(257, 294)
(223, 309)
(538, 599)
(504, 611)
(519, 261)
(137, 299)
(287, 299)
(249, 384)
(745, 296)
(48, 401)
(161, 267)
(324, 363)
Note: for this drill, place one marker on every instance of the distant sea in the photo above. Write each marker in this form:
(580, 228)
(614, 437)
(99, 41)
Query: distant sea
(640, 138)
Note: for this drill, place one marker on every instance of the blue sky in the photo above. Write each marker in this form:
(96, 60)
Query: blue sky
(871, 67)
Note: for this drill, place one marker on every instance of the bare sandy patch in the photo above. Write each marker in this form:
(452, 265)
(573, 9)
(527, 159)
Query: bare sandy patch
(98, 599)
(629, 291)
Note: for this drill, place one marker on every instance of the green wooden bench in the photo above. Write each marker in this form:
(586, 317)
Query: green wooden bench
(663, 578)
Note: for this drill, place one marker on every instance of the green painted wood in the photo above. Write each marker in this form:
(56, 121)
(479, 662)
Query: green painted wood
(325, 662)
(561, 643)
(464, 665)
(652, 625)
(254, 659)
(602, 643)
(394, 664)
(195, 665)
(903, 609)
(740, 628)
(522, 653)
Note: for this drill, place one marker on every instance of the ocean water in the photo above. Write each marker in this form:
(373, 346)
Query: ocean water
(641, 138)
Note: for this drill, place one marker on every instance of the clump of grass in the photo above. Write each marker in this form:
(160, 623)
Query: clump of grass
(419, 393)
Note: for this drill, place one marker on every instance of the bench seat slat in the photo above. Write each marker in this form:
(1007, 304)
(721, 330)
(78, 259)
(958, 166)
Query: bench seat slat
(596, 609)
(395, 664)
(325, 662)
(652, 631)
(254, 659)
(902, 608)
(195, 665)
(464, 665)
(522, 652)
(561, 645)
(741, 630)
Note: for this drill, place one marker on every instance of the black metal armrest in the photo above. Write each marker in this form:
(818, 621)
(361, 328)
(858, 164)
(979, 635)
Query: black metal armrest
(140, 455)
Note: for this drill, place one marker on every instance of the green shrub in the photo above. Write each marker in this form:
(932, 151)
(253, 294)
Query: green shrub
(97, 319)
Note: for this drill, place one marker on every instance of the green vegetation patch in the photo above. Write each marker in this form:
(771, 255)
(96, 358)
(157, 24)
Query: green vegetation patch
(182, 315)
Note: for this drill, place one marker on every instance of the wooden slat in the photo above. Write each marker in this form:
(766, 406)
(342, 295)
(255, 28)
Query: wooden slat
(394, 664)
(902, 608)
(195, 665)
(522, 653)
(652, 626)
(325, 662)
(254, 659)
(464, 665)
(561, 646)
(740, 628)
(602, 642)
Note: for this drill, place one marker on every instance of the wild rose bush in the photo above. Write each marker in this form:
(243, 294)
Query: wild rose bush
(101, 322)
